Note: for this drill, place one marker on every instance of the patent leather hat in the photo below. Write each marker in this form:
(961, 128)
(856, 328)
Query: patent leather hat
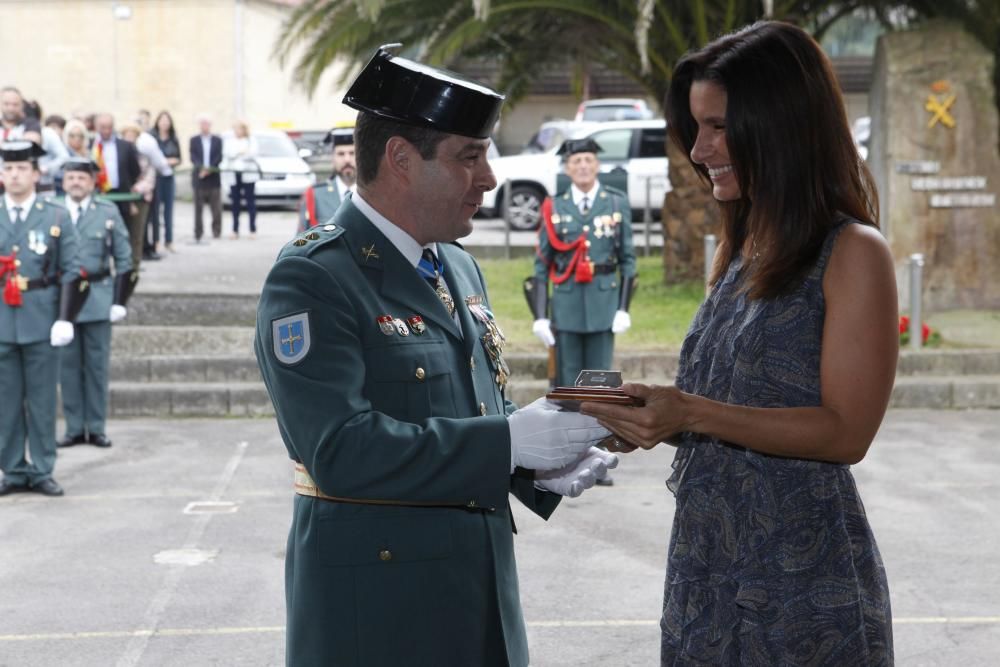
(409, 92)
(20, 151)
(340, 136)
(573, 146)
(81, 164)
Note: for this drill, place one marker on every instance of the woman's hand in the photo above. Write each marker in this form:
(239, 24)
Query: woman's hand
(666, 412)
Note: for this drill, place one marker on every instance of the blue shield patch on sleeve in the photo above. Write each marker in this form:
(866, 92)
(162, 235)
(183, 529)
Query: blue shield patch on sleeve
(291, 338)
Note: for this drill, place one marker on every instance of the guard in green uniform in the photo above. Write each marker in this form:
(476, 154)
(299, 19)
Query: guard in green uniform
(42, 294)
(383, 359)
(585, 251)
(104, 241)
(320, 202)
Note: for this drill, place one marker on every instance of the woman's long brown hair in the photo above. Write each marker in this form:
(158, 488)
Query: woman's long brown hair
(790, 146)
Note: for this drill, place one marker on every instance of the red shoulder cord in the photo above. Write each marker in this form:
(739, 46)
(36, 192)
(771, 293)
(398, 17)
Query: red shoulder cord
(579, 264)
(311, 206)
(11, 292)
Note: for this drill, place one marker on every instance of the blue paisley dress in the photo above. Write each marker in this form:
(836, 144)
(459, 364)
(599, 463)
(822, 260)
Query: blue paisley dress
(772, 561)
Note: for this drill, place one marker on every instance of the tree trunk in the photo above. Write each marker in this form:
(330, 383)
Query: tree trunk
(689, 213)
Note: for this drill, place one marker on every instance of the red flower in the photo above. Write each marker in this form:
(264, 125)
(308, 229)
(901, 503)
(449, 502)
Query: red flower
(925, 332)
(904, 324)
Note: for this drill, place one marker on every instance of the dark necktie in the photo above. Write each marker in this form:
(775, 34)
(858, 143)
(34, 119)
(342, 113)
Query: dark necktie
(17, 215)
(432, 270)
(584, 205)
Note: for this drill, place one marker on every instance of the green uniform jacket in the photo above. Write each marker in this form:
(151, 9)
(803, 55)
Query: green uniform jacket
(327, 202)
(588, 307)
(46, 244)
(377, 415)
(103, 237)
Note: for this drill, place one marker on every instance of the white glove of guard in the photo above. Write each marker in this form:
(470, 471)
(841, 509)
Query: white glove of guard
(118, 313)
(61, 333)
(574, 479)
(543, 329)
(542, 437)
(622, 322)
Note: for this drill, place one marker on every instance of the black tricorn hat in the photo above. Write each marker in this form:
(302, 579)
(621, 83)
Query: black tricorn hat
(573, 146)
(81, 164)
(20, 151)
(340, 136)
(416, 94)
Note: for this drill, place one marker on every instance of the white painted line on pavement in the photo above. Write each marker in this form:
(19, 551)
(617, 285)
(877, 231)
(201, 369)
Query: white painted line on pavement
(158, 605)
(270, 629)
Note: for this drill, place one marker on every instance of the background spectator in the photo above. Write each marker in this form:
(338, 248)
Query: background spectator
(151, 161)
(166, 187)
(239, 151)
(55, 152)
(206, 156)
(76, 138)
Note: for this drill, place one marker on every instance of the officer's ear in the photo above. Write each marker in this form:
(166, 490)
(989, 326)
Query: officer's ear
(398, 158)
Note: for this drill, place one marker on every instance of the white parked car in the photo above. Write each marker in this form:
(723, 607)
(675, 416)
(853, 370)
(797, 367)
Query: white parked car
(283, 175)
(614, 108)
(634, 153)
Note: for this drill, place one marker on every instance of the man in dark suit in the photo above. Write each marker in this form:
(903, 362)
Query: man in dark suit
(118, 163)
(206, 156)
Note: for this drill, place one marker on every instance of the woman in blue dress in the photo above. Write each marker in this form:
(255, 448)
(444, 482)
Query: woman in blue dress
(785, 373)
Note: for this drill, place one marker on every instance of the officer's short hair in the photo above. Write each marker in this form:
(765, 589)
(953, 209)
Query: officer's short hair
(371, 133)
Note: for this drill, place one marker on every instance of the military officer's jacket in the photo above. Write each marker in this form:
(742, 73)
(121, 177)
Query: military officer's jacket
(588, 307)
(326, 200)
(383, 396)
(45, 244)
(104, 242)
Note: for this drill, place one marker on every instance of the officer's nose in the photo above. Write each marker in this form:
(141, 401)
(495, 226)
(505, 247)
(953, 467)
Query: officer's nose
(701, 149)
(485, 179)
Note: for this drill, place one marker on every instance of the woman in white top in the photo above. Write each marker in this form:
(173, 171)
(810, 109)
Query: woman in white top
(238, 153)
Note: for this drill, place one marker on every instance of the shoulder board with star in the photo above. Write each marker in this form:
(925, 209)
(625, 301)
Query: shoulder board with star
(307, 242)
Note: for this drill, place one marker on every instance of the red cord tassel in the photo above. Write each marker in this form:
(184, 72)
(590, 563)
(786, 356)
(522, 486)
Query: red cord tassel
(11, 293)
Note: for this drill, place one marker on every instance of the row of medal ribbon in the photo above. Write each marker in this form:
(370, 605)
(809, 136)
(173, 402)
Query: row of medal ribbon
(394, 325)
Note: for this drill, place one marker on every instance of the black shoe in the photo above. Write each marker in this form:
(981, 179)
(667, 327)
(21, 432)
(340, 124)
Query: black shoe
(99, 440)
(47, 487)
(606, 481)
(152, 256)
(8, 487)
(71, 440)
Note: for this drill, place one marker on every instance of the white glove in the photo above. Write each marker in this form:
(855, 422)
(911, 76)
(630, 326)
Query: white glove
(622, 322)
(574, 479)
(542, 437)
(118, 313)
(543, 329)
(61, 333)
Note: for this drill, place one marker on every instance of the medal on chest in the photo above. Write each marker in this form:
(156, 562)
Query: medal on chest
(493, 340)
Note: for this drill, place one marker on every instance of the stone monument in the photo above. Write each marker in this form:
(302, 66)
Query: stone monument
(934, 155)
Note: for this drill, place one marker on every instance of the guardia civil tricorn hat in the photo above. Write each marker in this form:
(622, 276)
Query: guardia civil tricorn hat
(574, 146)
(416, 94)
(340, 136)
(81, 164)
(20, 151)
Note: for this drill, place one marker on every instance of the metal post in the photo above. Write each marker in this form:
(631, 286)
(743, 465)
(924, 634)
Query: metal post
(709, 256)
(916, 289)
(647, 216)
(506, 223)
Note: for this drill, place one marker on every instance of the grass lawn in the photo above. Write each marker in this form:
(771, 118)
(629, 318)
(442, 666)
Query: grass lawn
(660, 314)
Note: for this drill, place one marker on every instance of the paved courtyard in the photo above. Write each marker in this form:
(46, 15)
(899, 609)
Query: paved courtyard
(167, 550)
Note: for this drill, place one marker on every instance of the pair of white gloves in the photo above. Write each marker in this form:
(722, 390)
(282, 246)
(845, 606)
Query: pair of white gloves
(61, 333)
(559, 446)
(543, 327)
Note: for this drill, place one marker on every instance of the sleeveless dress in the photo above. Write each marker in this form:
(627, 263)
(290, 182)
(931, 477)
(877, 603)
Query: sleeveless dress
(772, 561)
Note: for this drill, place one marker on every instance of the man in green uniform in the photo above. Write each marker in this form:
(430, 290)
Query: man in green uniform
(42, 293)
(104, 241)
(320, 202)
(385, 365)
(585, 250)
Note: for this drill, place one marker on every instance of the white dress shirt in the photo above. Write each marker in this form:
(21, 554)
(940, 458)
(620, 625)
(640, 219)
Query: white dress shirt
(579, 194)
(343, 189)
(25, 207)
(76, 210)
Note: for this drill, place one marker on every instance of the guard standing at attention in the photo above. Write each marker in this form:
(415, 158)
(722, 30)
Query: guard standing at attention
(104, 241)
(42, 293)
(320, 202)
(385, 364)
(585, 251)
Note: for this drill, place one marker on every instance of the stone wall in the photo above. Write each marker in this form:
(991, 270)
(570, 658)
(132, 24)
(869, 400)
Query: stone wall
(934, 155)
